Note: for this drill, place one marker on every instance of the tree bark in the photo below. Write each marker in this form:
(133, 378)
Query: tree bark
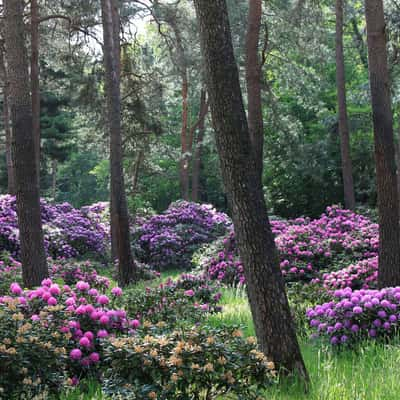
(347, 168)
(35, 89)
(184, 162)
(266, 291)
(7, 127)
(199, 146)
(359, 41)
(253, 81)
(119, 211)
(386, 182)
(33, 256)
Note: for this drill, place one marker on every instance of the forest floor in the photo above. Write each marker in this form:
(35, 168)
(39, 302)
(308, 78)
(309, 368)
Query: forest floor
(369, 372)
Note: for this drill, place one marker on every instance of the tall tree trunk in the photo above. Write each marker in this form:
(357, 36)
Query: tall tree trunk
(35, 89)
(136, 169)
(359, 41)
(266, 290)
(347, 169)
(119, 211)
(253, 81)
(7, 127)
(386, 182)
(33, 256)
(54, 179)
(199, 146)
(184, 162)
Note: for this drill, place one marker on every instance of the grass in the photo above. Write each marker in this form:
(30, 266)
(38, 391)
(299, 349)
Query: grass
(368, 373)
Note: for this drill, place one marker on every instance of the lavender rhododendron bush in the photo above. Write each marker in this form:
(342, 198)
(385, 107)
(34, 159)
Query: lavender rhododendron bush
(68, 232)
(334, 241)
(358, 314)
(170, 239)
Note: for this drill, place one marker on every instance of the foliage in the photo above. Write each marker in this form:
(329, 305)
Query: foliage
(201, 363)
(170, 239)
(186, 300)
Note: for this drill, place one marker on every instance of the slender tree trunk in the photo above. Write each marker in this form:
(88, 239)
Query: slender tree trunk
(386, 181)
(54, 179)
(35, 89)
(347, 168)
(199, 147)
(253, 81)
(184, 163)
(7, 127)
(359, 41)
(266, 290)
(119, 211)
(136, 169)
(33, 257)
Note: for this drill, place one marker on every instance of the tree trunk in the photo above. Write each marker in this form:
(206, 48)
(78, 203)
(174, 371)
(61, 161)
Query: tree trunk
(199, 145)
(386, 182)
(54, 179)
(119, 211)
(347, 169)
(33, 256)
(359, 41)
(266, 290)
(7, 127)
(253, 81)
(136, 169)
(184, 163)
(35, 89)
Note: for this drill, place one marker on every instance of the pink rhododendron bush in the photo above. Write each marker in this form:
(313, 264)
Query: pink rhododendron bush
(306, 247)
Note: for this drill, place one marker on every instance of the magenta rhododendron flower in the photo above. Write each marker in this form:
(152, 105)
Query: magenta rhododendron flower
(15, 289)
(116, 291)
(103, 299)
(75, 354)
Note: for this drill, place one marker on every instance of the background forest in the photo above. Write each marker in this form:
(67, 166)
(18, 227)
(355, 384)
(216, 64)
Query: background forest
(169, 150)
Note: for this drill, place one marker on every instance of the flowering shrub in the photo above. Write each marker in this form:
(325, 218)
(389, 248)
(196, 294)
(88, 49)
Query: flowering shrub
(170, 239)
(338, 238)
(358, 314)
(192, 364)
(362, 275)
(70, 321)
(10, 271)
(68, 232)
(172, 303)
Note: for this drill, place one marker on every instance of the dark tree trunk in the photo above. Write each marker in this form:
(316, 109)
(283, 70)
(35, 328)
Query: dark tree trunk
(136, 170)
(199, 147)
(33, 256)
(386, 182)
(253, 81)
(266, 290)
(359, 41)
(347, 169)
(7, 127)
(35, 89)
(119, 211)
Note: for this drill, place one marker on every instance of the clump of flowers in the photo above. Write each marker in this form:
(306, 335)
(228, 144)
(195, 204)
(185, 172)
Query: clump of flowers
(186, 364)
(306, 247)
(10, 271)
(68, 232)
(71, 321)
(362, 275)
(174, 302)
(170, 239)
(356, 315)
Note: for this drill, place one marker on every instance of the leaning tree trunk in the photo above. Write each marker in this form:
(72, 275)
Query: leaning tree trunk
(253, 81)
(7, 127)
(35, 89)
(266, 290)
(119, 211)
(386, 182)
(33, 256)
(347, 169)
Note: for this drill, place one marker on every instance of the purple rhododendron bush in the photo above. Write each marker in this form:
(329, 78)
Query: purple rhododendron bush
(169, 239)
(357, 314)
(68, 232)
